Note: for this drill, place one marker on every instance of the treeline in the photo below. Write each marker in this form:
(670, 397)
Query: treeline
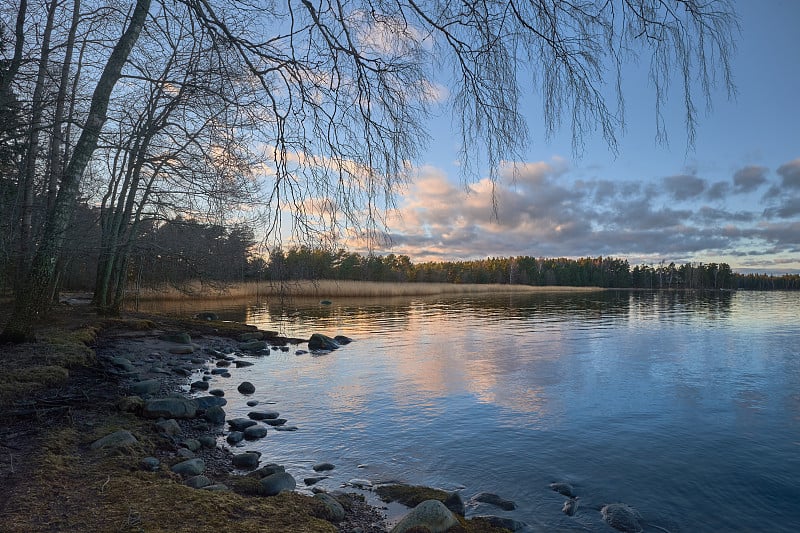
(607, 272)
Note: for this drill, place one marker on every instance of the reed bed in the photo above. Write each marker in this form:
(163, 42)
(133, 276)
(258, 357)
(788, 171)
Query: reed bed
(334, 289)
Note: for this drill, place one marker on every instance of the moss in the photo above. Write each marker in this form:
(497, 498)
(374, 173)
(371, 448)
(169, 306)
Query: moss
(409, 495)
(44, 375)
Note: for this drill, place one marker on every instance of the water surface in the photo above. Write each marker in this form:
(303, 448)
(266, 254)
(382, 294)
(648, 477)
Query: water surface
(685, 406)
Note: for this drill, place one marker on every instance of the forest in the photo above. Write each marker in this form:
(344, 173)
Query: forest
(178, 251)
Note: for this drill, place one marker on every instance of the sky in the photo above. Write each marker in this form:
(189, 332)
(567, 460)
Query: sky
(734, 197)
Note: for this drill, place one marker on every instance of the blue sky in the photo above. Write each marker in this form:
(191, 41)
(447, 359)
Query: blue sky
(734, 197)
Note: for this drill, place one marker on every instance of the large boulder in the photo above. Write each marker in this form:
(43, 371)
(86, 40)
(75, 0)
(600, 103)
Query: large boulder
(255, 432)
(190, 467)
(276, 483)
(622, 517)
(334, 511)
(246, 460)
(170, 408)
(119, 439)
(147, 386)
(204, 402)
(430, 514)
(240, 424)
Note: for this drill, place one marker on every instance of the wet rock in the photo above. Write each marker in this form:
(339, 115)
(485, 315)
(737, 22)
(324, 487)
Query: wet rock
(564, 489)
(430, 514)
(251, 336)
(217, 392)
(341, 340)
(323, 467)
(205, 402)
(333, 509)
(319, 341)
(506, 523)
(267, 470)
(199, 385)
(246, 460)
(276, 483)
(622, 517)
(263, 415)
(252, 403)
(190, 467)
(235, 437)
(218, 371)
(286, 428)
(223, 364)
(570, 506)
(239, 424)
(494, 499)
(215, 415)
(182, 350)
(170, 408)
(245, 387)
(455, 503)
(255, 432)
(274, 422)
(313, 480)
(206, 315)
(119, 439)
(242, 364)
(253, 346)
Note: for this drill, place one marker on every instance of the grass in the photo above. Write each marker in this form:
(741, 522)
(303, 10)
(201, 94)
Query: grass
(337, 289)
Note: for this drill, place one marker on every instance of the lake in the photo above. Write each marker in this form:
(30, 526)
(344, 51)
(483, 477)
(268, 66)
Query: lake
(683, 405)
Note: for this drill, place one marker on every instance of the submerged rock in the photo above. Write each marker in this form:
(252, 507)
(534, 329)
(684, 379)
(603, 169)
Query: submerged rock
(319, 341)
(564, 489)
(494, 499)
(323, 467)
(622, 517)
(570, 506)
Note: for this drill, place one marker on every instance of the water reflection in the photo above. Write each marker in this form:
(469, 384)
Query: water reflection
(673, 402)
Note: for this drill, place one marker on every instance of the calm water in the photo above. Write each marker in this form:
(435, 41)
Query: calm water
(684, 406)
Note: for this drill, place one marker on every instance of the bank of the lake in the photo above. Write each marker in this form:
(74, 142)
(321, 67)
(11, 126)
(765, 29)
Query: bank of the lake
(103, 429)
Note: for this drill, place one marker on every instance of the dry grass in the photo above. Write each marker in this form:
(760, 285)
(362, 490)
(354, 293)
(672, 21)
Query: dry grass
(338, 289)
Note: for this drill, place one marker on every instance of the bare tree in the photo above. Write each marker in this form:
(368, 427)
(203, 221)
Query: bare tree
(329, 97)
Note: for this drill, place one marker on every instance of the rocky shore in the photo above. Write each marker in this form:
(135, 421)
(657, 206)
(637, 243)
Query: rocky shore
(130, 436)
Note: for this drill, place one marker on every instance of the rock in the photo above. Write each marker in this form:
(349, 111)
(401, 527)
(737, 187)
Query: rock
(205, 402)
(199, 385)
(622, 517)
(182, 350)
(300, 352)
(170, 408)
(207, 441)
(455, 503)
(219, 371)
(564, 489)
(341, 340)
(286, 428)
(494, 499)
(431, 514)
(333, 509)
(253, 346)
(130, 404)
(223, 364)
(276, 483)
(168, 427)
(255, 432)
(150, 464)
(246, 460)
(319, 341)
(177, 338)
(190, 467)
(119, 439)
(206, 315)
(263, 415)
(217, 392)
(191, 444)
(215, 415)
(245, 387)
(239, 424)
(267, 470)
(242, 364)
(198, 482)
(147, 386)
(123, 364)
(503, 522)
(182, 371)
(323, 467)
(251, 336)
(235, 437)
(185, 453)
(570, 506)
(325, 302)
(274, 422)
(252, 403)
(313, 480)
(360, 483)
(158, 370)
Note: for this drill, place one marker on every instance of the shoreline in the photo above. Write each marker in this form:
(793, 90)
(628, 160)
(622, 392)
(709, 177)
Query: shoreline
(103, 484)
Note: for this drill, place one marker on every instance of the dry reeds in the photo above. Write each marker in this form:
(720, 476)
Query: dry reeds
(338, 289)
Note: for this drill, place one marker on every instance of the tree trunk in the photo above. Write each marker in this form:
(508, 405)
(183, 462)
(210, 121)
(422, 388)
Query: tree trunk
(33, 300)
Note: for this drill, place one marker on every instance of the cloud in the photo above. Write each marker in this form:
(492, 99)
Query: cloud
(748, 179)
(790, 174)
(684, 187)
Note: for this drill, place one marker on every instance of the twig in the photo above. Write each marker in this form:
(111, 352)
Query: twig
(104, 484)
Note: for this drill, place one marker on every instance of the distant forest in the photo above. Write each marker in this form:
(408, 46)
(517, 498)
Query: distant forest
(180, 250)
